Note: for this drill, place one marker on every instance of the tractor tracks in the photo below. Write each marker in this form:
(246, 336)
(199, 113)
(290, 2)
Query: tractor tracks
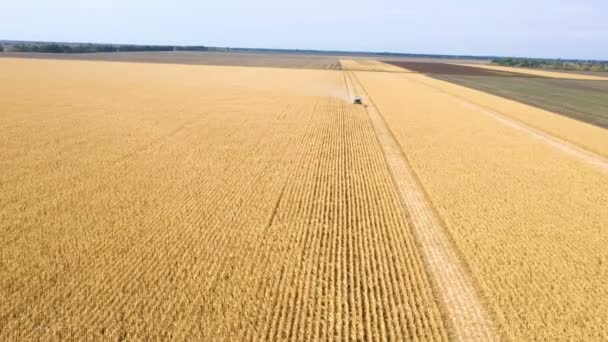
(463, 310)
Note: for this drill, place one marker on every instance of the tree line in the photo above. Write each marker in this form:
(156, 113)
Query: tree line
(558, 64)
(91, 48)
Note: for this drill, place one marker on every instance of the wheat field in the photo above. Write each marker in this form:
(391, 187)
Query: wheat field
(148, 202)
(529, 221)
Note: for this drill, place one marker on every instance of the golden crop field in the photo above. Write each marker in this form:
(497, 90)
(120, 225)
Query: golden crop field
(528, 220)
(190, 202)
(587, 136)
(154, 202)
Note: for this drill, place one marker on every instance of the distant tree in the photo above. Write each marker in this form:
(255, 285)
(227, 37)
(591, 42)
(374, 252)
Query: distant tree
(559, 64)
(191, 48)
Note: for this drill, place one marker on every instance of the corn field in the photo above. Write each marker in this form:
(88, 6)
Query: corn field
(190, 202)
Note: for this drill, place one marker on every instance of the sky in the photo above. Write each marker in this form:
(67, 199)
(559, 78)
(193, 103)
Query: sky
(526, 28)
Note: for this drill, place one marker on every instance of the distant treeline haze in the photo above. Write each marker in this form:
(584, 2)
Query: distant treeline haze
(90, 48)
(578, 65)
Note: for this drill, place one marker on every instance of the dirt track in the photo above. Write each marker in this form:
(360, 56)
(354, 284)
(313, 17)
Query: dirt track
(467, 318)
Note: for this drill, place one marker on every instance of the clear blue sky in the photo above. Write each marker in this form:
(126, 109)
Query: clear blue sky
(535, 28)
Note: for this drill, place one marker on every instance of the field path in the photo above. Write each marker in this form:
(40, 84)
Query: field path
(463, 310)
(572, 150)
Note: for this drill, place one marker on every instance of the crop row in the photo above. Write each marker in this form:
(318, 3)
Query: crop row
(199, 203)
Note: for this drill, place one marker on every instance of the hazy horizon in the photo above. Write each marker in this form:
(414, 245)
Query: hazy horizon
(543, 29)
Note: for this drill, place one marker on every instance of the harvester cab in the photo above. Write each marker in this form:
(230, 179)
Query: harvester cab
(357, 100)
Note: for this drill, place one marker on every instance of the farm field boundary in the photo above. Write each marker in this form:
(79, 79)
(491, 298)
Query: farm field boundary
(449, 69)
(370, 65)
(581, 100)
(573, 150)
(464, 311)
(542, 73)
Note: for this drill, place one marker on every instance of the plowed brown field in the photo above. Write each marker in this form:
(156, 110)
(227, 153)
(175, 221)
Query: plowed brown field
(176, 202)
(449, 69)
(537, 72)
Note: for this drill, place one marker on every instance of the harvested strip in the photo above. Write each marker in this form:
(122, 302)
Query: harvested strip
(258, 59)
(466, 315)
(368, 65)
(536, 72)
(353, 258)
